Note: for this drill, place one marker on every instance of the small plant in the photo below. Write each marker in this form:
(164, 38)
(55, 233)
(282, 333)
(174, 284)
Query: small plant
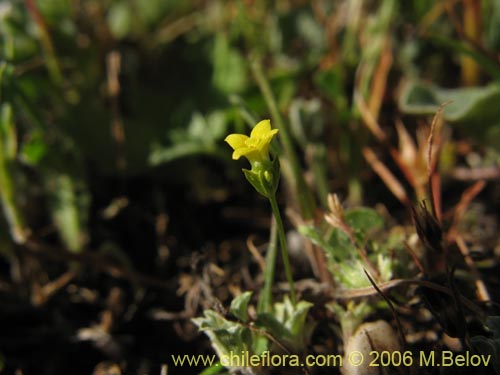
(235, 337)
(352, 241)
(264, 177)
(280, 326)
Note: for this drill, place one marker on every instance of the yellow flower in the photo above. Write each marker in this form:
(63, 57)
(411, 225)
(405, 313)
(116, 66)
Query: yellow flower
(256, 147)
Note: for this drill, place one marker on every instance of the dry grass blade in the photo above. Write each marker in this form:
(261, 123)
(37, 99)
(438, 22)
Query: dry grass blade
(407, 156)
(433, 154)
(434, 183)
(42, 295)
(481, 290)
(369, 120)
(467, 196)
(471, 174)
(391, 307)
(414, 257)
(367, 291)
(386, 175)
(255, 253)
(379, 82)
(370, 291)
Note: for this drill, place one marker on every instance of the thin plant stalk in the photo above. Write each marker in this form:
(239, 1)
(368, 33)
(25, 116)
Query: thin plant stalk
(284, 249)
(46, 43)
(265, 298)
(472, 30)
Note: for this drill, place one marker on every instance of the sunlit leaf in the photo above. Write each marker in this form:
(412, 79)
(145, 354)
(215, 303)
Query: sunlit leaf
(239, 305)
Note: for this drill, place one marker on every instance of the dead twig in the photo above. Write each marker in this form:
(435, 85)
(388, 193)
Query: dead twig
(434, 178)
(467, 196)
(255, 252)
(391, 307)
(379, 81)
(42, 294)
(481, 290)
(386, 175)
(471, 174)
(370, 291)
(414, 256)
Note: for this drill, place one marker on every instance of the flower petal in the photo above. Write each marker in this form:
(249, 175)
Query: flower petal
(242, 151)
(272, 133)
(261, 129)
(236, 140)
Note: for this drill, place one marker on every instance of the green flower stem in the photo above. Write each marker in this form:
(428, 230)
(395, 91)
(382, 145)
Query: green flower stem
(304, 195)
(8, 193)
(46, 43)
(266, 298)
(284, 250)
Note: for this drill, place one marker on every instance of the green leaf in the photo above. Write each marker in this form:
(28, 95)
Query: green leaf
(34, 149)
(494, 27)
(475, 110)
(306, 121)
(343, 257)
(331, 83)
(296, 317)
(226, 336)
(152, 11)
(272, 325)
(7, 131)
(350, 274)
(287, 323)
(200, 137)
(55, 11)
(68, 209)
(265, 179)
(213, 370)
(312, 233)
(341, 245)
(230, 71)
(239, 306)
(216, 125)
(363, 220)
(120, 19)
(161, 155)
(9, 194)
(352, 315)
(312, 33)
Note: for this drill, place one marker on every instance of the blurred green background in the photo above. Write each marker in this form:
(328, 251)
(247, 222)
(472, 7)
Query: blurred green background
(113, 115)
